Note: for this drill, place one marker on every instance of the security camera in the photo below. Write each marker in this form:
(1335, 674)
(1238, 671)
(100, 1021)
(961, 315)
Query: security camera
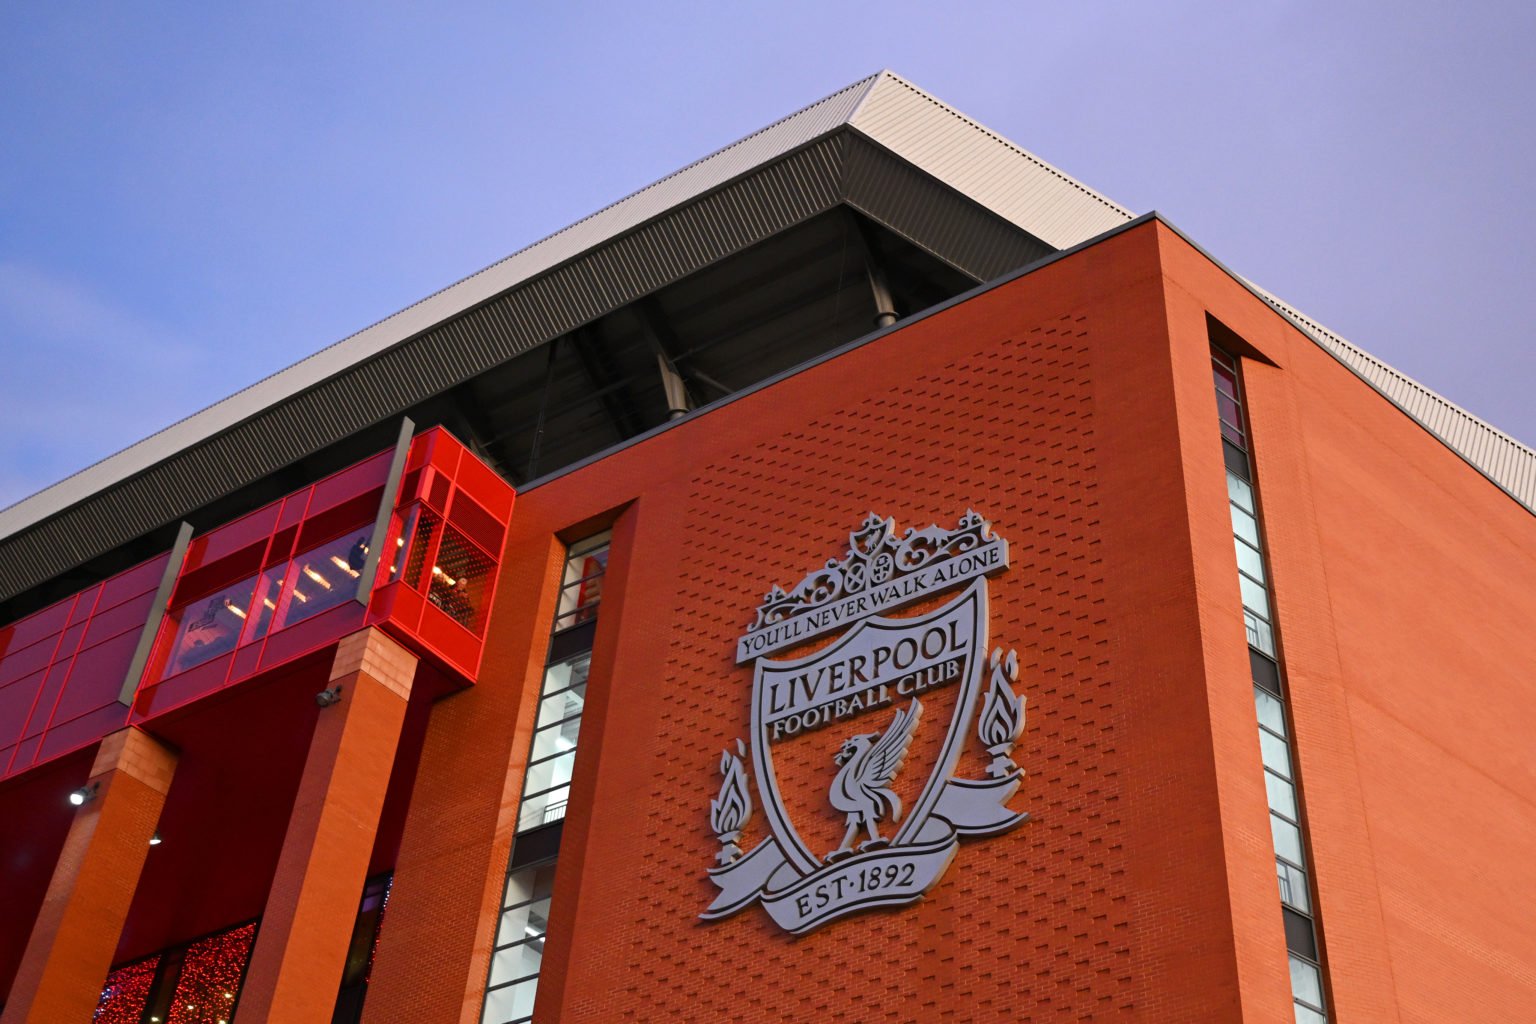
(325, 698)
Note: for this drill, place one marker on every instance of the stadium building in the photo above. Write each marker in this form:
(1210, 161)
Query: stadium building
(866, 575)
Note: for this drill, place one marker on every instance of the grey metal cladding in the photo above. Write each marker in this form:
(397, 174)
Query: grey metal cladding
(1507, 463)
(977, 162)
(933, 216)
(748, 210)
(881, 145)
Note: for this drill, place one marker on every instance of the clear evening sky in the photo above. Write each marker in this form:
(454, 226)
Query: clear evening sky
(193, 196)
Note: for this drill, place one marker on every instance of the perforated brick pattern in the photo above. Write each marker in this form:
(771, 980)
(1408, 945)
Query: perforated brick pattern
(1021, 926)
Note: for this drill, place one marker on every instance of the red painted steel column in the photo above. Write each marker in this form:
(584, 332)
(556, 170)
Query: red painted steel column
(82, 917)
(301, 946)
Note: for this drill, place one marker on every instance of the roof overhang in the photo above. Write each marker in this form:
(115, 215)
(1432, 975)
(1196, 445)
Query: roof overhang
(881, 146)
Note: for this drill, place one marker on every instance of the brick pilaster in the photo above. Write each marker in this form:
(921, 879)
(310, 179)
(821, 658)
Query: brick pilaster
(81, 920)
(301, 946)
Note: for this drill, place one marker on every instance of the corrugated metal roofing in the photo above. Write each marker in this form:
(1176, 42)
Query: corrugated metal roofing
(634, 210)
(1503, 460)
(981, 164)
(933, 138)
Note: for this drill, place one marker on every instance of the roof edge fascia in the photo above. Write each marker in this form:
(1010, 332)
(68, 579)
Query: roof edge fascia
(399, 327)
(1326, 340)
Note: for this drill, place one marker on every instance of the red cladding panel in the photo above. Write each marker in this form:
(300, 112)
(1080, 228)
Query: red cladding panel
(349, 483)
(63, 667)
(39, 625)
(27, 660)
(227, 540)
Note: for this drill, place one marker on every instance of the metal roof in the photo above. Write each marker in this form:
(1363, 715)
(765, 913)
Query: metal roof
(883, 107)
(729, 199)
(1502, 459)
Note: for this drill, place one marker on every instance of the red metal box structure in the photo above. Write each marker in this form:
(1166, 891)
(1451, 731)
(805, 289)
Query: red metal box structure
(262, 591)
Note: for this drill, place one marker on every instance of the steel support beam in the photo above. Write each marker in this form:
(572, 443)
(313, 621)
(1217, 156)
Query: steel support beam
(663, 342)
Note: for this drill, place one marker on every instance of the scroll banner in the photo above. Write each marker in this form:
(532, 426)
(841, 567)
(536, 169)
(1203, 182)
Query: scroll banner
(888, 876)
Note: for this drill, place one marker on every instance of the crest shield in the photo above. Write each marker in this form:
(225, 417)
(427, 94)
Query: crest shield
(862, 739)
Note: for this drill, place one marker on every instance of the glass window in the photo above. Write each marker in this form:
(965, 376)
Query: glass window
(528, 884)
(1279, 786)
(1240, 492)
(1281, 795)
(322, 578)
(581, 587)
(1277, 758)
(569, 673)
(420, 528)
(1249, 560)
(546, 784)
(521, 923)
(1230, 415)
(1244, 526)
(554, 772)
(127, 991)
(1306, 983)
(1221, 371)
(1271, 711)
(519, 961)
(543, 809)
(269, 587)
(563, 704)
(1293, 886)
(1287, 838)
(460, 576)
(1254, 597)
(559, 738)
(1261, 634)
(511, 1003)
(208, 626)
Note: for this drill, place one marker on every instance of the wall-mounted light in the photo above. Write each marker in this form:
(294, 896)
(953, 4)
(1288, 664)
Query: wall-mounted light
(155, 840)
(325, 698)
(85, 794)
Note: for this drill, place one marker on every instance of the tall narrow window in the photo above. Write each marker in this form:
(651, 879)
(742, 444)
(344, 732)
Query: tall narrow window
(1276, 749)
(360, 951)
(519, 950)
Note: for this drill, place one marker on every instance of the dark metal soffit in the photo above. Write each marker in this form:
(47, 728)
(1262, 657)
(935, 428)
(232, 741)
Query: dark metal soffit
(842, 167)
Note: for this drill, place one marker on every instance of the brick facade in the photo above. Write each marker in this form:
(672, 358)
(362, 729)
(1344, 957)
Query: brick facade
(1072, 407)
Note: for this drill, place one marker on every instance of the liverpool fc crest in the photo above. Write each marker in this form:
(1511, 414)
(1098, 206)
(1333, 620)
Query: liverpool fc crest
(856, 747)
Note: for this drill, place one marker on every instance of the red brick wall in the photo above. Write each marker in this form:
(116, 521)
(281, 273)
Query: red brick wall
(1403, 584)
(1048, 405)
(1072, 407)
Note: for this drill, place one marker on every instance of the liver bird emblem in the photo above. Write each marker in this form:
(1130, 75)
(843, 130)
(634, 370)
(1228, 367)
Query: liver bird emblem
(862, 788)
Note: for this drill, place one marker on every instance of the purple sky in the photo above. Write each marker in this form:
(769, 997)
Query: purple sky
(192, 200)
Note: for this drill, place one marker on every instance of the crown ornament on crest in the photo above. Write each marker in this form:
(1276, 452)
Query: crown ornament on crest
(876, 556)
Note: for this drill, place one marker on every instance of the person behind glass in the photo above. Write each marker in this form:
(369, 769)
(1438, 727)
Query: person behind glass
(452, 597)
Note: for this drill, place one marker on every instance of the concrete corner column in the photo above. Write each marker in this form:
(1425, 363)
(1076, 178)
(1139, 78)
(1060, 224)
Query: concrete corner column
(301, 946)
(77, 931)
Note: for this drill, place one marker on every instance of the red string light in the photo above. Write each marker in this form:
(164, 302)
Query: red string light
(125, 993)
(210, 978)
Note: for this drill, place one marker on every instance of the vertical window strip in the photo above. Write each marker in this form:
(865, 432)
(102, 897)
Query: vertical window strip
(1275, 744)
(518, 955)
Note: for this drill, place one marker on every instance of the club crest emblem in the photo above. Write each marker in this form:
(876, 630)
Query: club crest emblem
(860, 750)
